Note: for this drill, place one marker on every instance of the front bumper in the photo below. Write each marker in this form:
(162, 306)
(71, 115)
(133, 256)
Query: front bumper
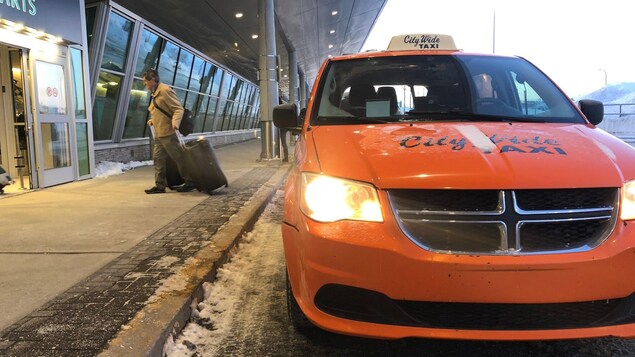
(370, 280)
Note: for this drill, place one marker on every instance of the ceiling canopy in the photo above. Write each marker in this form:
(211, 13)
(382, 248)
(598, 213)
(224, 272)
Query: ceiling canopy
(226, 31)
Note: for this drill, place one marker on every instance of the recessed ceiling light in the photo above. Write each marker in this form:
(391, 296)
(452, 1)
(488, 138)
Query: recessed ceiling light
(332, 31)
(254, 36)
(235, 44)
(330, 46)
(334, 13)
(239, 15)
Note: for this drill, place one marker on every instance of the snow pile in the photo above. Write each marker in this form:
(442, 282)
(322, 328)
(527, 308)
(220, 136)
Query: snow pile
(109, 168)
(214, 315)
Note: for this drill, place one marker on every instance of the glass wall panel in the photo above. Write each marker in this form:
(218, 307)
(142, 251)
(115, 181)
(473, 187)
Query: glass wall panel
(227, 116)
(249, 95)
(167, 62)
(149, 50)
(105, 105)
(197, 101)
(137, 116)
(83, 156)
(184, 69)
(235, 89)
(206, 79)
(198, 73)
(200, 114)
(78, 84)
(181, 94)
(236, 117)
(244, 110)
(228, 80)
(240, 90)
(117, 39)
(218, 76)
(91, 12)
(192, 101)
(220, 114)
(209, 118)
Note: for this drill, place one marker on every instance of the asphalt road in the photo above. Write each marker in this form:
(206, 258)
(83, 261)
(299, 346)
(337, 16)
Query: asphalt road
(245, 315)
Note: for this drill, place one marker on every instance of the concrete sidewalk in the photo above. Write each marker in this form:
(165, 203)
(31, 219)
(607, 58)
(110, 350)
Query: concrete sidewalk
(81, 260)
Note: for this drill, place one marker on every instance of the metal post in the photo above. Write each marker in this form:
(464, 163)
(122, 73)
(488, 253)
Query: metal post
(294, 95)
(302, 84)
(268, 73)
(606, 78)
(293, 79)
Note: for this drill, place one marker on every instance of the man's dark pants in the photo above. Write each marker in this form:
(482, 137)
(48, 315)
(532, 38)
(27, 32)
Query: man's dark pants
(164, 147)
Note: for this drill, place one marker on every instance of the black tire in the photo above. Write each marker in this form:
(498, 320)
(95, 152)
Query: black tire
(298, 319)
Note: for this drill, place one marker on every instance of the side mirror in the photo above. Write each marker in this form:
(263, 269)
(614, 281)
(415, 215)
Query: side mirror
(593, 110)
(285, 116)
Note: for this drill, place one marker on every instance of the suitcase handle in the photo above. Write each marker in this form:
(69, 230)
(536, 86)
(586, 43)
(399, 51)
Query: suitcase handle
(181, 140)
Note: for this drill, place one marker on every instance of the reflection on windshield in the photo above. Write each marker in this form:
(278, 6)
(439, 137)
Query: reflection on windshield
(439, 88)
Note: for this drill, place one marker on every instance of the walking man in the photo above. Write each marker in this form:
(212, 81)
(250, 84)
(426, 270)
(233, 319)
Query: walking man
(166, 142)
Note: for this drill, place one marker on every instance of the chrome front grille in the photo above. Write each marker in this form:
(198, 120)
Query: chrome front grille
(506, 222)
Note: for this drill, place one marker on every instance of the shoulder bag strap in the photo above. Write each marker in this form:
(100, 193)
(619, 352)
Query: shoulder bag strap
(161, 109)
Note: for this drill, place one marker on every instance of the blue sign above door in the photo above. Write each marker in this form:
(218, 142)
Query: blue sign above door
(60, 18)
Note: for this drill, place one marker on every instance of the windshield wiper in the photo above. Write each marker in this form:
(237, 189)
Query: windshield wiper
(461, 115)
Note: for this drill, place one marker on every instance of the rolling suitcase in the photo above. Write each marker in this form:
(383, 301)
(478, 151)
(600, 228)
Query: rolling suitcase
(201, 164)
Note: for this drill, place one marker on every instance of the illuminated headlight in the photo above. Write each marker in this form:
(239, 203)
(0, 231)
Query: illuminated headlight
(329, 199)
(628, 201)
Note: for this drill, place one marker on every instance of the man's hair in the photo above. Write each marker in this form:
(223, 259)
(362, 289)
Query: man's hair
(151, 74)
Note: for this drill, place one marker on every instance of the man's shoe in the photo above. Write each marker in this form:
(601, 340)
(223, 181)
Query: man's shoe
(155, 190)
(186, 187)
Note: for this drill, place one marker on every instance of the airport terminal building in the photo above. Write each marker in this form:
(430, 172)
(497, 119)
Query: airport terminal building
(72, 95)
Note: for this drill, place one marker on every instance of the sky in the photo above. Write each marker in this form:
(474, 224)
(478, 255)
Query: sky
(574, 42)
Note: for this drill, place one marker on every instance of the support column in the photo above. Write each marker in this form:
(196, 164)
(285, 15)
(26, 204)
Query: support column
(303, 98)
(294, 92)
(268, 76)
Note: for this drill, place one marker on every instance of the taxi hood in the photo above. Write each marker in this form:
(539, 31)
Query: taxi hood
(473, 155)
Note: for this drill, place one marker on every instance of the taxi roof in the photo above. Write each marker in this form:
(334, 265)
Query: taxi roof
(413, 44)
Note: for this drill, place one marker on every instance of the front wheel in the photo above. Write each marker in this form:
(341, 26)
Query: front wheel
(298, 319)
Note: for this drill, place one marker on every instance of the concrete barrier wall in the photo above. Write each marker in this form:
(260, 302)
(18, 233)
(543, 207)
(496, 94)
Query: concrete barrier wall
(623, 127)
(139, 150)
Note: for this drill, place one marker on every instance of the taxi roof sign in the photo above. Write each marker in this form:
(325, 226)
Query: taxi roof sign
(417, 42)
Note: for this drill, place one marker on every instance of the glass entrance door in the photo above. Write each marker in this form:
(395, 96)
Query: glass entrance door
(16, 138)
(53, 122)
(21, 121)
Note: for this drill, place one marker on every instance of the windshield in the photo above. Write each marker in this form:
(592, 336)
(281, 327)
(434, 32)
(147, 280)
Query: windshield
(439, 88)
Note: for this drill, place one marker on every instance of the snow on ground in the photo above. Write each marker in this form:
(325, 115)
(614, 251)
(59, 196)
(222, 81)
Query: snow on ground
(222, 297)
(109, 168)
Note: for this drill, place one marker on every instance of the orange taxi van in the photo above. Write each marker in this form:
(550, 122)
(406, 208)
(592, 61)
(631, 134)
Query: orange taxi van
(443, 194)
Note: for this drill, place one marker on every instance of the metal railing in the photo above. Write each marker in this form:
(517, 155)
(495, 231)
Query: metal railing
(618, 110)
